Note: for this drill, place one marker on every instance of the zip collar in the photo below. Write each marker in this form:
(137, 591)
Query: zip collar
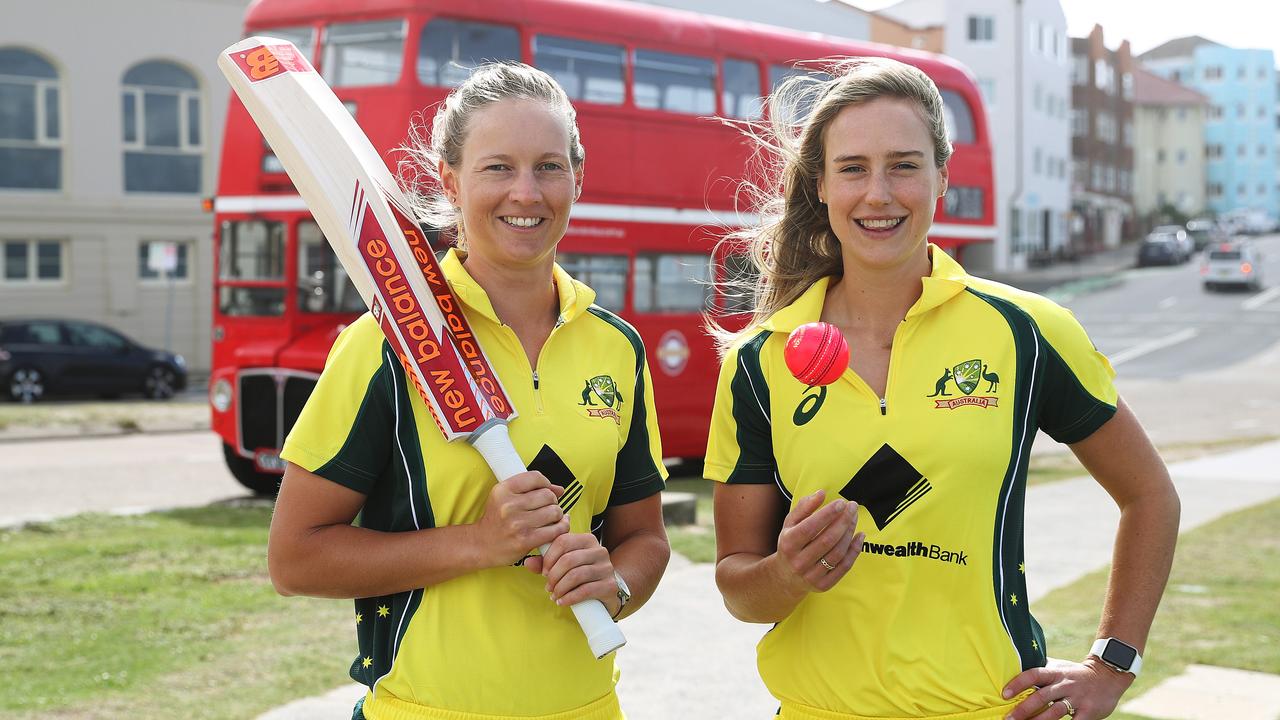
(574, 297)
(946, 280)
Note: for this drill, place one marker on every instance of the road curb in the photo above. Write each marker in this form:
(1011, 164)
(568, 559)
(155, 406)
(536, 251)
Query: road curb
(76, 434)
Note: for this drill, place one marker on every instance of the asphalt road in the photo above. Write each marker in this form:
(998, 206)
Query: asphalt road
(46, 479)
(1161, 322)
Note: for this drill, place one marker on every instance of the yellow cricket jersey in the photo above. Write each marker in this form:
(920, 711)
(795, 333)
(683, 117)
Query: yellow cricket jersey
(932, 620)
(490, 643)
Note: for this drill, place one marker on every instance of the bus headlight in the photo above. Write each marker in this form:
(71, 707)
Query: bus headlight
(220, 395)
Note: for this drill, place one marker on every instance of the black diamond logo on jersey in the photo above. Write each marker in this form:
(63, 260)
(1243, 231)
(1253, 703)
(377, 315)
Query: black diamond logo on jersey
(886, 485)
(550, 465)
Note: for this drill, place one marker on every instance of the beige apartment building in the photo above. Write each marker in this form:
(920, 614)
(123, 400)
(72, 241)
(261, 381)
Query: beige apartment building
(1169, 147)
(109, 141)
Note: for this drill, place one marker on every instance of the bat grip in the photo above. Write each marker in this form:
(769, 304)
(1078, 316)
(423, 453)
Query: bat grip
(603, 634)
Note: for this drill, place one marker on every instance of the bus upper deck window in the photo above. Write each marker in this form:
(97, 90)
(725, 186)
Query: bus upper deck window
(450, 49)
(780, 73)
(958, 116)
(677, 83)
(587, 71)
(365, 53)
(742, 90)
(302, 37)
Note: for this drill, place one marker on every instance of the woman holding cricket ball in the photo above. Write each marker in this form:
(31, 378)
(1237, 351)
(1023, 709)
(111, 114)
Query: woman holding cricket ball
(877, 520)
(452, 611)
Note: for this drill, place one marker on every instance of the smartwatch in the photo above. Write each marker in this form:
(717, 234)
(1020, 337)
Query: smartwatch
(624, 593)
(1117, 654)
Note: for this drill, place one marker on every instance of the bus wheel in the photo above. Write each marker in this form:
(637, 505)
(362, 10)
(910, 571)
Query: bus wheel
(248, 475)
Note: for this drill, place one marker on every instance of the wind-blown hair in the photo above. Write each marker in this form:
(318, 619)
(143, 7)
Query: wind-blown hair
(793, 245)
(487, 84)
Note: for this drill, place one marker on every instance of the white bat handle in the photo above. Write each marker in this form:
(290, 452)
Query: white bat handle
(603, 634)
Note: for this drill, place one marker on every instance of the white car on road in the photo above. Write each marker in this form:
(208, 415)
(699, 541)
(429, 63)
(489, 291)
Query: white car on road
(1232, 263)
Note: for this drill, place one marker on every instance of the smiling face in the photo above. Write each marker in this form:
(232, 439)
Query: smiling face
(514, 183)
(879, 182)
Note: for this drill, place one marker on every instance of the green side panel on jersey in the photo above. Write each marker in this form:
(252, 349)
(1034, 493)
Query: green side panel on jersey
(1008, 565)
(751, 411)
(634, 471)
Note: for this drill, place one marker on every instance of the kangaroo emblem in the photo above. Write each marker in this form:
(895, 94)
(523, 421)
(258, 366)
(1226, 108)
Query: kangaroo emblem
(941, 387)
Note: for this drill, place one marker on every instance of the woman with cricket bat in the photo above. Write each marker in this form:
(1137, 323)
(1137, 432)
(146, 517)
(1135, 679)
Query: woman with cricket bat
(877, 521)
(456, 614)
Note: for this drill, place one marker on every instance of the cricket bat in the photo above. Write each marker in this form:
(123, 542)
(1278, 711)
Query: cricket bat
(359, 206)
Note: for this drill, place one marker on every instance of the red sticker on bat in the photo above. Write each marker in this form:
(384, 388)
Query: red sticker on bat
(264, 62)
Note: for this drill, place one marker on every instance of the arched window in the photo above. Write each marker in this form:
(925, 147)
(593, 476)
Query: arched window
(163, 137)
(30, 122)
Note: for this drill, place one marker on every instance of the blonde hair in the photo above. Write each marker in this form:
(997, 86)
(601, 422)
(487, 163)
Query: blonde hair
(488, 83)
(793, 246)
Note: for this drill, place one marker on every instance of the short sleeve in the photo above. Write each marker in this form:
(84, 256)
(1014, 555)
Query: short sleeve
(344, 432)
(740, 445)
(639, 471)
(1078, 395)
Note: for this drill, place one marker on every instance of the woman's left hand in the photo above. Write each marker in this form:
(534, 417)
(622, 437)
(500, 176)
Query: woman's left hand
(577, 567)
(1090, 689)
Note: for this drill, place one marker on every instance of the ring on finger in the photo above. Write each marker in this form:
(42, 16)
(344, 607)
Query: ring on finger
(823, 562)
(1071, 709)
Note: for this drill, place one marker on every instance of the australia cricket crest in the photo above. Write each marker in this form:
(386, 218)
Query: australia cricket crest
(967, 374)
(602, 390)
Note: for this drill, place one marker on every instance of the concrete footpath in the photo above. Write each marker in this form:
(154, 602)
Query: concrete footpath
(687, 658)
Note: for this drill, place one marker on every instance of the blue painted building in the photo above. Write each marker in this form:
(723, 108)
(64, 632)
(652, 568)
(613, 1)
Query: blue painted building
(1240, 130)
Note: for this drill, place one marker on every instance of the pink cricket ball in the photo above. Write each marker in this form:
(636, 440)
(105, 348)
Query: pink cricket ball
(816, 353)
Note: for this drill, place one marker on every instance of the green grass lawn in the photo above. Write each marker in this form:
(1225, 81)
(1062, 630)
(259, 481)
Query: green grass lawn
(1219, 609)
(64, 417)
(172, 615)
(158, 616)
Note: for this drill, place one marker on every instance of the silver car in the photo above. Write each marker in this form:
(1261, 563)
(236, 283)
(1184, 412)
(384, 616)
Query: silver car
(1232, 264)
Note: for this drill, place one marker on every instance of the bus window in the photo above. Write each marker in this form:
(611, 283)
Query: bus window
(779, 73)
(449, 49)
(964, 202)
(677, 83)
(738, 269)
(958, 116)
(587, 71)
(672, 283)
(606, 274)
(742, 90)
(365, 53)
(302, 37)
(251, 250)
(250, 301)
(323, 286)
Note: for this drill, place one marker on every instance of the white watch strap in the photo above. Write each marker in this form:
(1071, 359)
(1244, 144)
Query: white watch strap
(1100, 646)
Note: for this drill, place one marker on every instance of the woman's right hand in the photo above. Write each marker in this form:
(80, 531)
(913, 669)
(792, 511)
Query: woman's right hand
(522, 513)
(817, 544)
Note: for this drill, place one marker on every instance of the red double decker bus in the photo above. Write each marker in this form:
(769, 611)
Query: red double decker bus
(660, 187)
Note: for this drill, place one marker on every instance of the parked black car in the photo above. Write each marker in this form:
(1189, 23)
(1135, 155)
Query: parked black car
(72, 357)
(1161, 249)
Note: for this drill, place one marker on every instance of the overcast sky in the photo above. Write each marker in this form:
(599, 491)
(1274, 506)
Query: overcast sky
(1148, 23)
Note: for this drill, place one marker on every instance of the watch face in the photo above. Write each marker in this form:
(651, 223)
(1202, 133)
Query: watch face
(1119, 654)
